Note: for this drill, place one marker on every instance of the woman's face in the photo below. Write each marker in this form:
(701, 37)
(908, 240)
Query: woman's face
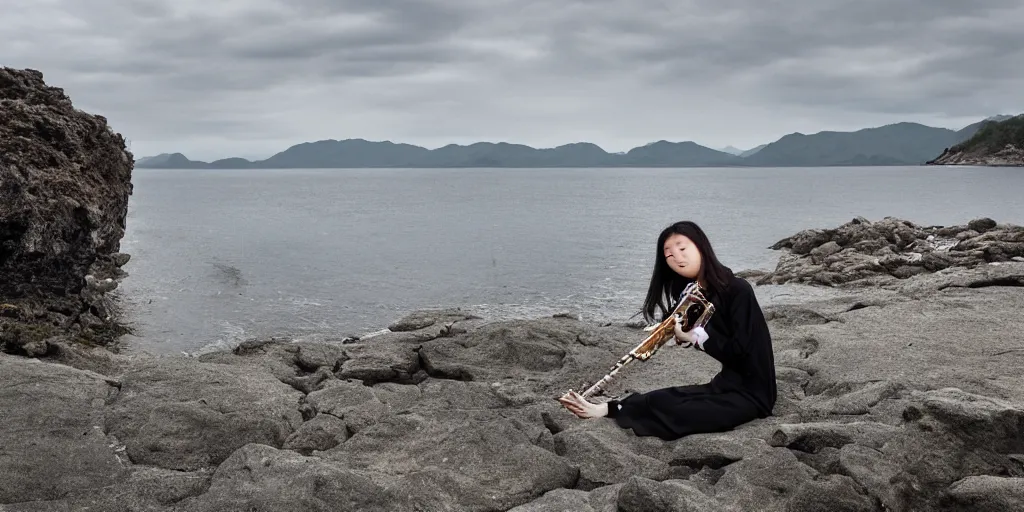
(682, 256)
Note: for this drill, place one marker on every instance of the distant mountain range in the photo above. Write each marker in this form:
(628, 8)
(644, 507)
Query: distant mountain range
(894, 144)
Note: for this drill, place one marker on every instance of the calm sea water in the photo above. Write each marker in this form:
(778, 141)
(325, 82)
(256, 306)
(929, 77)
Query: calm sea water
(219, 256)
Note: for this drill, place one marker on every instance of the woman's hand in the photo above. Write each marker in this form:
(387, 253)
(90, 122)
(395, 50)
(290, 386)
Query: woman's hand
(685, 339)
(581, 407)
(689, 338)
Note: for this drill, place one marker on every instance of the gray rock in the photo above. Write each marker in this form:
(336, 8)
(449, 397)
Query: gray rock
(873, 471)
(986, 493)
(274, 356)
(824, 250)
(474, 454)
(52, 424)
(185, 415)
(313, 356)
(318, 434)
(605, 457)
(856, 402)
(260, 477)
(339, 396)
(559, 500)
(388, 362)
(440, 318)
(981, 225)
(890, 249)
(986, 421)
(765, 481)
(812, 437)
(714, 451)
(156, 486)
(833, 493)
(640, 494)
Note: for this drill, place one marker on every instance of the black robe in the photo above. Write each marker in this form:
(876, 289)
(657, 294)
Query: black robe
(744, 390)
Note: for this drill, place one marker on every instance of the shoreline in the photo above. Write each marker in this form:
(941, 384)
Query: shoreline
(135, 342)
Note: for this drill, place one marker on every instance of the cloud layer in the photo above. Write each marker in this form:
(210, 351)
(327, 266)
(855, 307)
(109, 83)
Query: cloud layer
(216, 79)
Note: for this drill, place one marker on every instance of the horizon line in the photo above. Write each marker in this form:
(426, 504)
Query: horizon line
(578, 142)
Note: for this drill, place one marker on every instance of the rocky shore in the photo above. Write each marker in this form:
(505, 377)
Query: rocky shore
(906, 398)
(1009, 156)
(900, 391)
(888, 251)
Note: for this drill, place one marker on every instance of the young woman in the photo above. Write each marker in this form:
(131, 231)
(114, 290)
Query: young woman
(736, 335)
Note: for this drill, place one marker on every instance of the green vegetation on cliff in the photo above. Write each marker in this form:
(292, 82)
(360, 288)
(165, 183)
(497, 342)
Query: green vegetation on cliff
(994, 136)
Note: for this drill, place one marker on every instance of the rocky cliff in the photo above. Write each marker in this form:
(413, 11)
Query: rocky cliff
(65, 179)
(995, 144)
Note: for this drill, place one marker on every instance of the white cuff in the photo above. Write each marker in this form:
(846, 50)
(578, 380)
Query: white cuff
(701, 336)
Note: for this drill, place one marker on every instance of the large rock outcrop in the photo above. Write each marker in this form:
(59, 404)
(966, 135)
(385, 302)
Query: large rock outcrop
(65, 179)
(891, 249)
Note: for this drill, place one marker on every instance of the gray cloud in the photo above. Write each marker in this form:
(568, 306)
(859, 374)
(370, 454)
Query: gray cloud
(216, 79)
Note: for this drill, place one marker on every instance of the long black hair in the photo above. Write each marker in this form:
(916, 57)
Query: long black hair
(666, 284)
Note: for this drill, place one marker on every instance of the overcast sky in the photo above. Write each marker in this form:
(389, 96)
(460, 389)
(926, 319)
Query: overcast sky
(218, 78)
